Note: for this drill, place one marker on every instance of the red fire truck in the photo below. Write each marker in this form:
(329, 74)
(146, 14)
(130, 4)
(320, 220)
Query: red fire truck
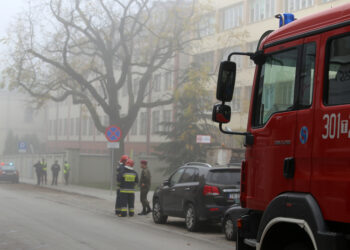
(295, 178)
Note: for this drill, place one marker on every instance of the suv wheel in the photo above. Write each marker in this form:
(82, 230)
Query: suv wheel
(230, 229)
(158, 216)
(191, 218)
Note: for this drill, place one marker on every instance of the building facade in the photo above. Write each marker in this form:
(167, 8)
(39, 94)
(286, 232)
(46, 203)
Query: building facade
(225, 26)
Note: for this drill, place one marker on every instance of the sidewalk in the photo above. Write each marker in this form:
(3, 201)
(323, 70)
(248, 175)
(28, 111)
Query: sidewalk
(93, 192)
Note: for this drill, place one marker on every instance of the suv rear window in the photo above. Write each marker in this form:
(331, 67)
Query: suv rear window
(224, 177)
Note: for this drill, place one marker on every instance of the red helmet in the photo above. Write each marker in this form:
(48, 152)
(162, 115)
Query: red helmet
(124, 158)
(129, 163)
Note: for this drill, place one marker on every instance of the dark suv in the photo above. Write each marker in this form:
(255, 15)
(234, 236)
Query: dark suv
(197, 192)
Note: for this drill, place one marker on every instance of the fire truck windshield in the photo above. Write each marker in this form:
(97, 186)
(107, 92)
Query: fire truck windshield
(276, 85)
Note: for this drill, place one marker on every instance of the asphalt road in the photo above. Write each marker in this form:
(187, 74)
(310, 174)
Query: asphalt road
(39, 218)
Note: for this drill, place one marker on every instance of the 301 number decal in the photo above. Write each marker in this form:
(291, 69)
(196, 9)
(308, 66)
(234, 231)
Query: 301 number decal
(334, 126)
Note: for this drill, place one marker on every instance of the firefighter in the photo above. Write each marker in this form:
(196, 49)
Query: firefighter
(66, 170)
(55, 168)
(145, 184)
(38, 170)
(128, 179)
(43, 171)
(120, 169)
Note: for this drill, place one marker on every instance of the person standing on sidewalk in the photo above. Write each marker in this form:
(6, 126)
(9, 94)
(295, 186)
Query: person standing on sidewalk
(66, 170)
(145, 184)
(38, 171)
(128, 180)
(55, 168)
(120, 169)
(44, 171)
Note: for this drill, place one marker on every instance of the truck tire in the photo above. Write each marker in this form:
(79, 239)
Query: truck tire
(230, 229)
(192, 222)
(158, 216)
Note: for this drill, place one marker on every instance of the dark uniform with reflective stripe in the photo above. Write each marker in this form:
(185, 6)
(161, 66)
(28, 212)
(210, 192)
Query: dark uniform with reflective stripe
(120, 169)
(128, 179)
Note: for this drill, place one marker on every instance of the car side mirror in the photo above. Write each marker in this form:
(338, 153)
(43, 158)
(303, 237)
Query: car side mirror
(226, 81)
(166, 183)
(221, 113)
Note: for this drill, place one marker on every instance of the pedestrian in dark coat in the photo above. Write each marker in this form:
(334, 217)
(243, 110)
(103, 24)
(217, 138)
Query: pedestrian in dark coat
(145, 184)
(55, 168)
(38, 170)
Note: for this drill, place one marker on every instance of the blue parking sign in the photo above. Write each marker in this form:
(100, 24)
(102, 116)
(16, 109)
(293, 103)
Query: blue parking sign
(22, 147)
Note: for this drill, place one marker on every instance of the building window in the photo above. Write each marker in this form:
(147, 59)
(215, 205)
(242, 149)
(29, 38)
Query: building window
(236, 101)
(206, 25)
(205, 60)
(168, 80)
(261, 9)
(91, 126)
(252, 47)
(155, 121)
(156, 82)
(133, 130)
(71, 126)
(66, 126)
(77, 126)
(232, 17)
(294, 5)
(49, 129)
(84, 122)
(28, 114)
(143, 123)
(166, 120)
(59, 128)
(235, 58)
(55, 127)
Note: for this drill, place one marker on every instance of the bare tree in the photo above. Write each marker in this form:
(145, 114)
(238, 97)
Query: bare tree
(89, 50)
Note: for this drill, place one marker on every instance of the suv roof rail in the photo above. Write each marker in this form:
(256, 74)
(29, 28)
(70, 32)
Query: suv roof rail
(199, 164)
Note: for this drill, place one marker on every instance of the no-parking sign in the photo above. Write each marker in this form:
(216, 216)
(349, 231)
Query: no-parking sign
(113, 133)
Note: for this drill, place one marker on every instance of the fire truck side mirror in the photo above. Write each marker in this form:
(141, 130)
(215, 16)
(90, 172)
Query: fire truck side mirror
(221, 113)
(226, 81)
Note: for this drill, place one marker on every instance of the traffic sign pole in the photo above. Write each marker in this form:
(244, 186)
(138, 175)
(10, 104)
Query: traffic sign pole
(113, 135)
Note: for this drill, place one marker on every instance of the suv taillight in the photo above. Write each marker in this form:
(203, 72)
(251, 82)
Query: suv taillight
(211, 190)
(244, 184)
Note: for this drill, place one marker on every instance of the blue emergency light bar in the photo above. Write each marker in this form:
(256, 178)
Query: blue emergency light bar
(285, 18)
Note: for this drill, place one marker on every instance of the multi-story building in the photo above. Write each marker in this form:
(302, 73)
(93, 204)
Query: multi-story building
(225, 26)
(22, 120)
(236, 26)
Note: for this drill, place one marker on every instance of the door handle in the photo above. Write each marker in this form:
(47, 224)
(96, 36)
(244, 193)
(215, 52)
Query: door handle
(172, 190)
(288, 168)
(188, 188)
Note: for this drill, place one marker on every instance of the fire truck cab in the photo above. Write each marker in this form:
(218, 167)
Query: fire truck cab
(295, 178)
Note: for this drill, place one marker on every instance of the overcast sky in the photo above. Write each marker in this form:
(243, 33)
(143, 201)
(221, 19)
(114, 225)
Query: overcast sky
(8, 10)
